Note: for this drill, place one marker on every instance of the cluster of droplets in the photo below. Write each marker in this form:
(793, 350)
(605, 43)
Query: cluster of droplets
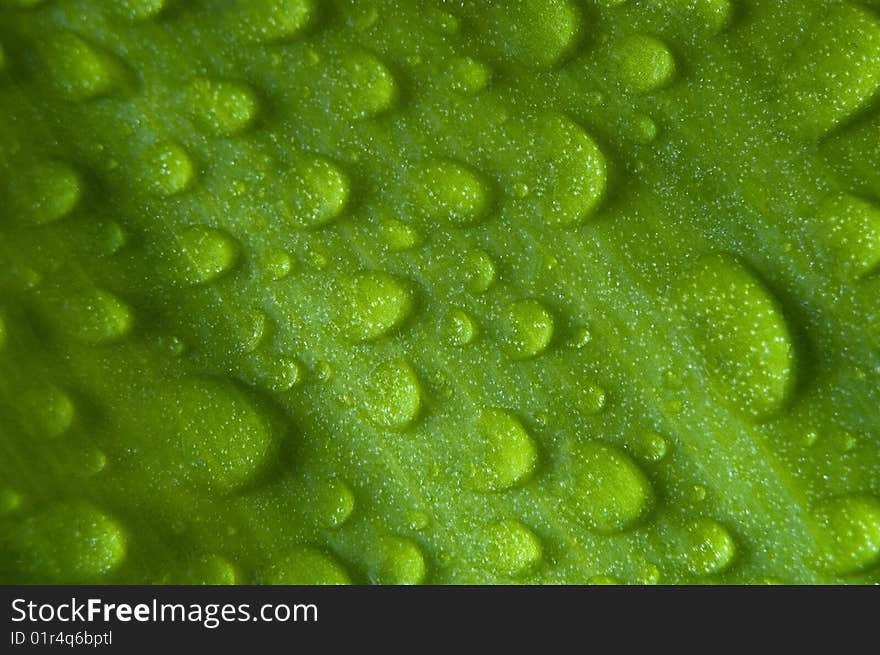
(222, 438)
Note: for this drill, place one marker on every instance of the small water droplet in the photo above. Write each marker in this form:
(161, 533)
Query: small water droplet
(334, 503)
(93, 462)
(323, 372)
(447, 191)
(10, 501)
(392, 395)
(399, 236)
(520, 190)
(304, 565)
(810, 437)
(374, 304)
(204, 254)
(459, 328)
(320, 193)
(506, 455)
(651, 446)
(527, 329)
(418, 520)
(852, 533)
(250, 330)
(480, 271)
(47, 412)
(277, 264)
(400, 562)
(606, 488)
(277, 373)
(95, 317)
(512, 549)
(708, 547)
(650, 574)
(592, 398)
(210, 570)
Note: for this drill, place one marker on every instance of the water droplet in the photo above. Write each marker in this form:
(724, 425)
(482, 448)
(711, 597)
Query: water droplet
(533, 33)
(277, 264)
(520, 190)
(708, 547)
(205, 254)
(845, 441)
(317, 257)
(507, 454)
(399, 236)
(468, 75)
(139, 9)
(109, 238)
(418, 520)
(591, 399)
(172, 344)
(582, 337)
(221, 107)
(527, 329)
(363, 87)
(650, 574)
(852, 533)
(480, 271)
(220, 438)
(93, 462)
(250, 330)
(47, 192)
(810, 438)
(651, 447)
(445, 21)
(364, 18)
(459, 328)
(608, 490)
(392, 395)
(714, 15)
(47, 412)
(567, 171)
(645, 63)
(333, 504)
(210, 570)
(167, 169)
(79, 70)
(644, 128)
(319, 193)
(270, 21)
(10, 501)
(827, 79)
(400, 562)
(323, 372)
(450, 191)
(376, 303)
(305, 565)
(511, 548)
(278, 374)
(68, 543)
(95, 317)
(744, 335)
(768, 580)
(851, 229)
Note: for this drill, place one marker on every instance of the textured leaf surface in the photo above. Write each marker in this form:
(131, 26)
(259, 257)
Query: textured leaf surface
(391, 291)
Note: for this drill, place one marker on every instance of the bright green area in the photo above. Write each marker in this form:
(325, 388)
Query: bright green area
(398, 292)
